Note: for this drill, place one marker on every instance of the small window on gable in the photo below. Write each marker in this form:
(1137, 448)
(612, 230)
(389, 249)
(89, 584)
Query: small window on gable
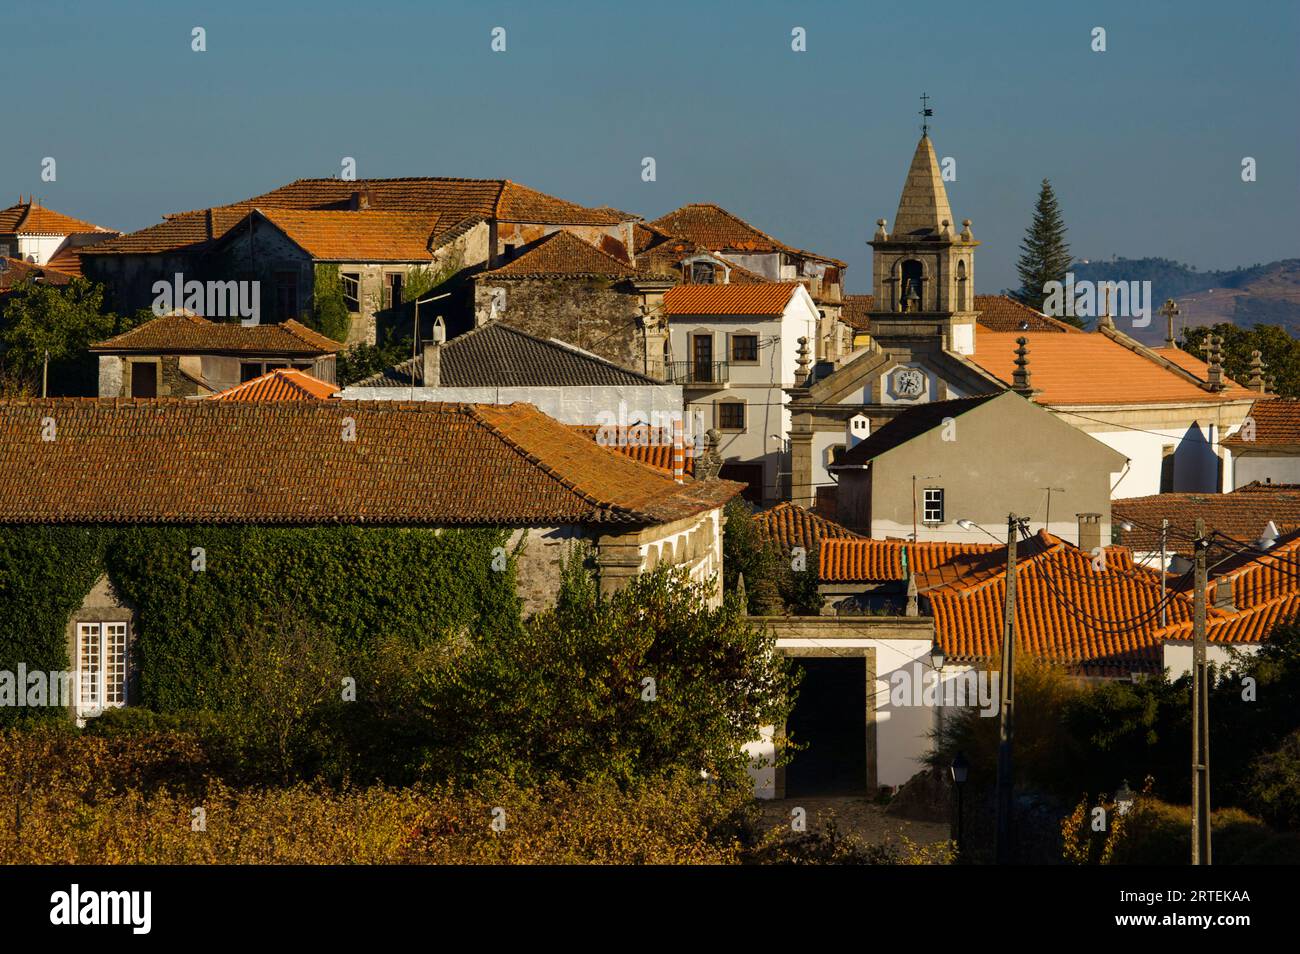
(144, 379)
(351, 290)
(933, 512)
(703, 273)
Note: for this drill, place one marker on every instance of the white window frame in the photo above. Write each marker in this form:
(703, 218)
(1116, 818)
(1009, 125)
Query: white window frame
(101, 667)
(932, 505)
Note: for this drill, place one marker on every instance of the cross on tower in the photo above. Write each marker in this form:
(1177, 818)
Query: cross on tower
(1170, 310)
(926, 113)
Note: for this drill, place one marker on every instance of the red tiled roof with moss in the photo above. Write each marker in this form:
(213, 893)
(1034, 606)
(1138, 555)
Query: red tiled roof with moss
(562, 254)
(188, 333)
(174, 461)
(717, 229)
(788, 526)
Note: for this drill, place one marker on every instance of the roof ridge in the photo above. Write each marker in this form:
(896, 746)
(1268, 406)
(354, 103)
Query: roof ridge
(476, 413)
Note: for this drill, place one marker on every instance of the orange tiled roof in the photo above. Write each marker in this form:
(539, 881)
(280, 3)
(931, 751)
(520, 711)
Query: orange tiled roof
(282, 384)
(642, 444)
(717, 229)
(789, 525)
(766, 299)
(1277, 424)
(14, 271)
(563, 254)
(177, 231)
(184, 332)
(1091, 369)
(1251, 625)
(1066, 612)
(861, 560)
(429, 464)
(366, 236)
(29, 218)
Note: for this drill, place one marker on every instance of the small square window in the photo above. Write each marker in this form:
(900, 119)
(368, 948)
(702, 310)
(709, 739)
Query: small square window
(933, 512)
(744, 348)
(731, 416)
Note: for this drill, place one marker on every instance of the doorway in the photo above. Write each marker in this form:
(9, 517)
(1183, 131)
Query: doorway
(829, 721)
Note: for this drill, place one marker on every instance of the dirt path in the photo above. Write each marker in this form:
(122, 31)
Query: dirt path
(857, 816)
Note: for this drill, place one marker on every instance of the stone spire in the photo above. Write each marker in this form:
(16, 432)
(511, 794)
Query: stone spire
(923, 208)
(801, 372)
(1257, 367)
(1020, 377)
(1214, 359)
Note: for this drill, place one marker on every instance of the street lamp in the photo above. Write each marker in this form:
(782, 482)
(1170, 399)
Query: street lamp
(959, 769)
(936, 656)
(1124, 798)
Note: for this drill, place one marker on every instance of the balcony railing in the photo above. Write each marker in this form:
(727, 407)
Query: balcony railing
(697, 373)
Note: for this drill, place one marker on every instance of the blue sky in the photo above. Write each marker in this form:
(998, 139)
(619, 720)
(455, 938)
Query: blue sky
(1143, 142)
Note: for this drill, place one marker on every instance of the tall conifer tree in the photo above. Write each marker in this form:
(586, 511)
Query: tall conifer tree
(1044, 254)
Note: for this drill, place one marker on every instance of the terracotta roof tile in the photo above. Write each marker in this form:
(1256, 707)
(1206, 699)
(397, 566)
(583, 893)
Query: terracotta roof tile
(789, 525)
(14, 271)
(1252, 625)
(717, 229)
(1242, 515)
(287, 462)
(641, 443)
(67, 260)
(562, 254)
(282, 384)
(182, 230)
(28, 218)
(183, 332)
(757, 299)
(868, 561)
(1277, 424)
(1091, 369)
(368, 236)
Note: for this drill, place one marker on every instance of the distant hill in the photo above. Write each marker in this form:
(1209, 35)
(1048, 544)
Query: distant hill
(1261, 294)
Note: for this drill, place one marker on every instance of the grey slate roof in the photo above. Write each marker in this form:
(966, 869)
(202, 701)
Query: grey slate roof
(913, 422)
(499, 356)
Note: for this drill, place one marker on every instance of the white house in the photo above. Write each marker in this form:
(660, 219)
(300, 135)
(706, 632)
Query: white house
(34, 234)
(734, 349)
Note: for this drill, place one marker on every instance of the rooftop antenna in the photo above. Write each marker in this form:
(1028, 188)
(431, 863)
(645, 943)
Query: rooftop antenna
(926, 113)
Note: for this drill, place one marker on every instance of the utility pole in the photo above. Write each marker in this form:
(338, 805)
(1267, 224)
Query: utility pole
(45, 373)
(1200, 710)
(1006, 728)
(1164, 537)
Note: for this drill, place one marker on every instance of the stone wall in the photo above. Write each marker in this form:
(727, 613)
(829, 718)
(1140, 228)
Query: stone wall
(597, 316)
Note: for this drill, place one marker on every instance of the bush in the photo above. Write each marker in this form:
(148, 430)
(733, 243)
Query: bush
(1275, 787)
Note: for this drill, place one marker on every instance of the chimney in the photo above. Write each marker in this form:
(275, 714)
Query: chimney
(1223, 593)
(1089, 531)
(359, 200)
(432, 360)
(679, 451)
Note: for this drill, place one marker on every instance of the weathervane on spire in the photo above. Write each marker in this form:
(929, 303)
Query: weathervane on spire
(926, 113)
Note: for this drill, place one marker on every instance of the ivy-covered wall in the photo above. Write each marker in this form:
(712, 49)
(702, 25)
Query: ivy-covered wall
(354, 586)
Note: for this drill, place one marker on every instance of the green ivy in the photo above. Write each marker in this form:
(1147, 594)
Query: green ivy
(355, 586)
(329, 311)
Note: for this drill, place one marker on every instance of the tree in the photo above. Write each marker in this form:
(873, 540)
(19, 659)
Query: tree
(329, 312)
(649, 681)
(1279, 351)
(61, 321)
(1045, 256)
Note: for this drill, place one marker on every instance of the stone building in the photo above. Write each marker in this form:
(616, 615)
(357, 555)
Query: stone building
(340, 465)
(185, 355)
